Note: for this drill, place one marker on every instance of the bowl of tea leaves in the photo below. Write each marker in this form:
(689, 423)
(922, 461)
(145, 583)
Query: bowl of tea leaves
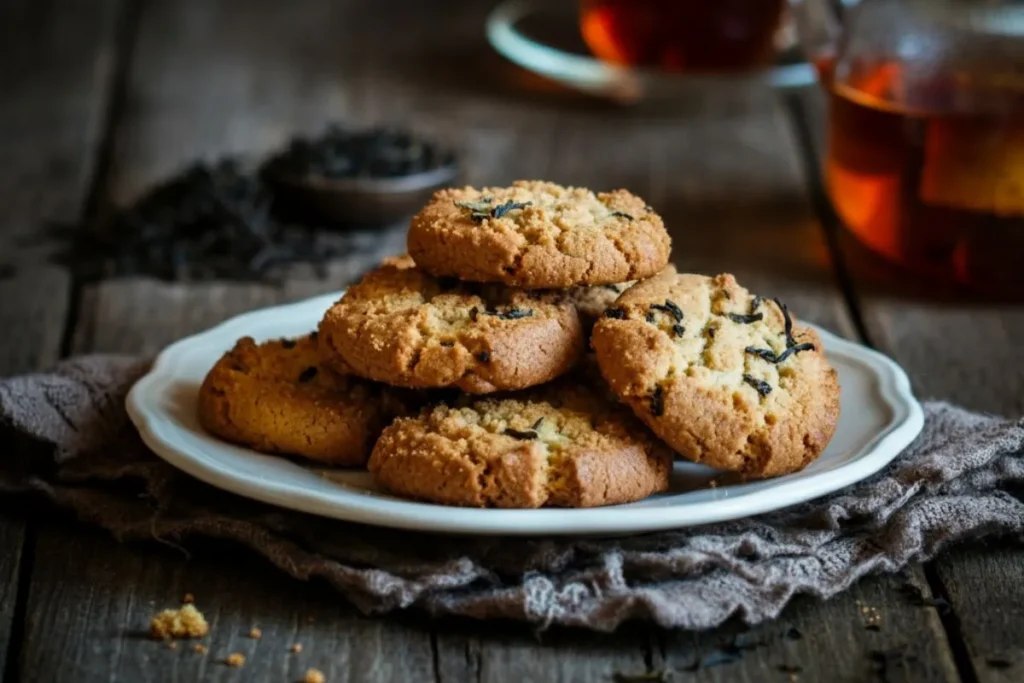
(359, 177)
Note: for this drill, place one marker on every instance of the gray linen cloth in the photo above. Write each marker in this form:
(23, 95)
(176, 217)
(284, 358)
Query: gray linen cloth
(65, 434)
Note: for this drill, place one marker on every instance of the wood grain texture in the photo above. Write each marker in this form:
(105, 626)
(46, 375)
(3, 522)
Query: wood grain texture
(54, 76)
(222, 76)
(966, 350)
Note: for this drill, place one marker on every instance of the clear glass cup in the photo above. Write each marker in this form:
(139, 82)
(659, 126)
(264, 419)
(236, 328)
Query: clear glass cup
(925, 130)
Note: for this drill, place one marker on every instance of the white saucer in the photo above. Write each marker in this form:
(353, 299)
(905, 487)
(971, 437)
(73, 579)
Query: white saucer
(879, 418)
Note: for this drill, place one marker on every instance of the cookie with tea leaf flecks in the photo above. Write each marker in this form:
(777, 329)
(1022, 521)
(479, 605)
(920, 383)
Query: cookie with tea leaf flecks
(560, 445)
(404, 327)
(538, 235)
(726, 378)
(275, 397)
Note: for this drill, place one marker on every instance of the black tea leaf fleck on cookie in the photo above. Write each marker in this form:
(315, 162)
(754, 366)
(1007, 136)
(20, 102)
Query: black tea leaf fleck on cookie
(678, 330)
(671, 308)
(537, 424)
(745, 319)
(483, 357)
(658, 401)
(762, 387)
(527, 435)
(651, 317)
(615, 313)
(500, 211)
(622, 214)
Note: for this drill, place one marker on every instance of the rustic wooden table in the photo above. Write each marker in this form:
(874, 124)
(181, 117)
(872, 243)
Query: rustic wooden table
(100, 99)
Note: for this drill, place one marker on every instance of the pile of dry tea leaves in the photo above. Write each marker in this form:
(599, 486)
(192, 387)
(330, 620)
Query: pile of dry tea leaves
(221, 220)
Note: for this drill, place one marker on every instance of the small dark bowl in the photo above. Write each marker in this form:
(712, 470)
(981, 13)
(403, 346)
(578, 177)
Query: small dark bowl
(363, 202)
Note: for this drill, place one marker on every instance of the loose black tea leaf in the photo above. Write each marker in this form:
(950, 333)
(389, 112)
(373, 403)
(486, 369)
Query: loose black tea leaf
(762, 387)
(522, 436)
(671, 308)
(510, 314)
(658, 401)
(308, 374)
(788, 323)
(806, 346)
(651, 317)
(483, 357)
(766, 354)
(622, 214)
(501, 210)
(615, 312)
(678, 330)
(745, 319)
(538, 423)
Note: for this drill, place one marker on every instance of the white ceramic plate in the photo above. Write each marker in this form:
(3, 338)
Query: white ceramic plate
(879, 418)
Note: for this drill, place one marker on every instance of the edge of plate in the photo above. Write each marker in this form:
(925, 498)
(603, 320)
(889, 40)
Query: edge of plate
(894, 386)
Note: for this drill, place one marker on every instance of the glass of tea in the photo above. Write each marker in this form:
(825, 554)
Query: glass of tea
(683, 35)
(925, 130)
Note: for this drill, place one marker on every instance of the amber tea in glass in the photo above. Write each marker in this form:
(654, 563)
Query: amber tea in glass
(933, 178)
(682, 35)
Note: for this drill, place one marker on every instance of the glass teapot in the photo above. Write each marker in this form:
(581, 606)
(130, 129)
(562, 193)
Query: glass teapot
(925, 141)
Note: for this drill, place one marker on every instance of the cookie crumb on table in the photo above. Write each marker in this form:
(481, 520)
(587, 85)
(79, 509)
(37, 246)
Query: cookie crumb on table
(314, 676)
(187, 622)
(255, 633)
(235, 659)
(295, 648)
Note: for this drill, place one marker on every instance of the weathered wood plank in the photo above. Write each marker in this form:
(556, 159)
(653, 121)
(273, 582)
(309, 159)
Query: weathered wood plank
(965, 350)
(54, 73)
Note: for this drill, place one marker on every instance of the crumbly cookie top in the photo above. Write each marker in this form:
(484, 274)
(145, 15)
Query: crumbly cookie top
(558, 418)
(443, 308)
(294, 363)
(537, 234)
(714, 332)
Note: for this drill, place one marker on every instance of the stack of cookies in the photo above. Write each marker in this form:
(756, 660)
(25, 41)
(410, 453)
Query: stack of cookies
(461, 374)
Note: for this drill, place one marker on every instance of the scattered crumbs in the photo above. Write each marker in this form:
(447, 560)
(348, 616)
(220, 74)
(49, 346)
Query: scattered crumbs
(171, 645)
(872, 618)
(188, 599)
(314, 676)
(200, 648)
(296, 648)
(998, 663)
(235, 659)
(187, 622)
(255, 633)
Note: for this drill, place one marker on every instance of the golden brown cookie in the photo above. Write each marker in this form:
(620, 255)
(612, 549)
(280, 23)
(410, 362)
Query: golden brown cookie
(275, 398)
(726, 378)
(557, 446)
(406, 328)
(539, 235)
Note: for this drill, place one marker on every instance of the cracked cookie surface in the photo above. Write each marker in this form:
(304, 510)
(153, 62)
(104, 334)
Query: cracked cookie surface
(724, 377)
(539, 235)
(561, 445)
(404, 327)
(275, 398)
